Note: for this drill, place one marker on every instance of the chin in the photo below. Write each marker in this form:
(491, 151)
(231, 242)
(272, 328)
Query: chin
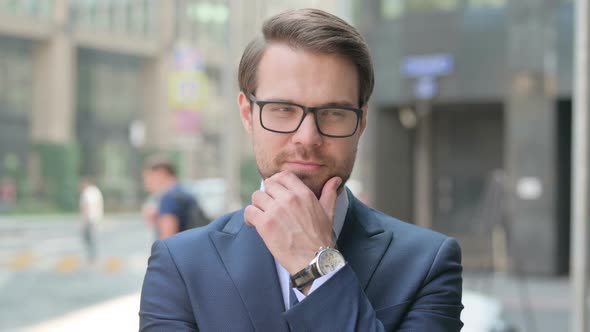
(313, 184)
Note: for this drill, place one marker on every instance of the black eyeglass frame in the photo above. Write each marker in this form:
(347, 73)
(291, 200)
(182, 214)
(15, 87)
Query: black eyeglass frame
(314, 110)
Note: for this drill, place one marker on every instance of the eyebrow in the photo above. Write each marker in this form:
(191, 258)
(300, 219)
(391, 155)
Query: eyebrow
(338, 103)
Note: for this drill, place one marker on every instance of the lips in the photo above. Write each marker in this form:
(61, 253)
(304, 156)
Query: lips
(303, 165)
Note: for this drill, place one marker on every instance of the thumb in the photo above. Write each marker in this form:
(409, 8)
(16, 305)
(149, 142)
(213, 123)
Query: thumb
(329, 194)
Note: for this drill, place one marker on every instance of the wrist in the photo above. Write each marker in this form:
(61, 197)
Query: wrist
(326, 260)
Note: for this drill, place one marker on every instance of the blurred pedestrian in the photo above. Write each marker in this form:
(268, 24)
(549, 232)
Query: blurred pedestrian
(306, 255)
(7, 194)
(177, 210)
(149, 209)
(91, 213)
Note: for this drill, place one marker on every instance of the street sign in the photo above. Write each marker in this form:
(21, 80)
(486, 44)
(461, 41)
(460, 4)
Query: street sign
(428, 65)
(425, 88)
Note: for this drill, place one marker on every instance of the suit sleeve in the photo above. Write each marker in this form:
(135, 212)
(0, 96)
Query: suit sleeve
(165, 305)
(438, 304)
(341, 304)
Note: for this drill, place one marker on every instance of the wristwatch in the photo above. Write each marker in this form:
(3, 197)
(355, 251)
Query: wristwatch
(326, 260)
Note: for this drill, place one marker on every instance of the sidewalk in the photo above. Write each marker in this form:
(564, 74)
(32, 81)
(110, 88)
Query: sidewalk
(533, 304)
(119, 314)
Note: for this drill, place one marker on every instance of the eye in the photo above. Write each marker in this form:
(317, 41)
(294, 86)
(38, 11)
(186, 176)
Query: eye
(335, 114)
(281, 108)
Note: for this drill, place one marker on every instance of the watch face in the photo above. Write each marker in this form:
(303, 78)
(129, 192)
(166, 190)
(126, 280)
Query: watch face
(330, 260)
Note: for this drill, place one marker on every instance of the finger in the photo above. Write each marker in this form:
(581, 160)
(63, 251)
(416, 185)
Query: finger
(329, 194)
(290, 181)
(274, 188)
(262, 200)
(252, 215)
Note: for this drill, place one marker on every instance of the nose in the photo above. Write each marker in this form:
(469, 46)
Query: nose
(308, 133)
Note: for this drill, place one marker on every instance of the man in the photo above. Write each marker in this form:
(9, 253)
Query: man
(174, 209)
(91, 212)
(306, 255)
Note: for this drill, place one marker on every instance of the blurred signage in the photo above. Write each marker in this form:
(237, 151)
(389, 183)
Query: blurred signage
(425, 87)
(186, 121)
(187, 58)
(188, 84)
(188, 90)
(428, 65)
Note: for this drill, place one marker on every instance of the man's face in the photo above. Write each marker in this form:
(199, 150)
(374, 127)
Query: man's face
(312, 80)
(150, 181)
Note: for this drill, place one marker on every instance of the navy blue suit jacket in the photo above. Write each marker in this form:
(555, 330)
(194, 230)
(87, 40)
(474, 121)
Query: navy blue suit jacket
(221, 277)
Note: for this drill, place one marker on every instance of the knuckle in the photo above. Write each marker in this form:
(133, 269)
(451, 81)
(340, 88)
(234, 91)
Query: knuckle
(256, 196)
(267, 222)
(291, 198)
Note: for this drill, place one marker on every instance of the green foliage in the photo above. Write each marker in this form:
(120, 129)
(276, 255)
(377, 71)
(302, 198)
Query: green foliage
(249, 178)
(59, 169)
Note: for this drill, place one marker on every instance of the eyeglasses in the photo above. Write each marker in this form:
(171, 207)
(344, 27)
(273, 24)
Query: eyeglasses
(286, 118)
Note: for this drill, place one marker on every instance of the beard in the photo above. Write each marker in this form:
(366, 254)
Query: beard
(314, 180)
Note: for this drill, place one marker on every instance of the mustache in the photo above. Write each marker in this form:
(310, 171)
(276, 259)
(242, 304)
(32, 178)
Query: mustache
(302, 154)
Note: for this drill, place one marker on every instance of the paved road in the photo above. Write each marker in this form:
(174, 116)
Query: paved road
(532, 304)
(44, 280)
(44, 274)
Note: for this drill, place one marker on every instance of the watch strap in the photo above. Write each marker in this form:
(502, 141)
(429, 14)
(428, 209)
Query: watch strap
(304, 277)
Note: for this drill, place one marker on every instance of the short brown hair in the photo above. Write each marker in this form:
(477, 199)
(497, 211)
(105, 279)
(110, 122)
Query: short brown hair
(160, 163)
(311, 30)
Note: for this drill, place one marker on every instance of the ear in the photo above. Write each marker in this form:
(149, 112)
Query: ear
(364, 119)
(245, 112)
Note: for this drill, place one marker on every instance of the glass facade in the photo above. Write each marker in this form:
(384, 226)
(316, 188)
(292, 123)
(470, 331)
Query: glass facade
(16, 76)
(31, 8)
(109, 100)
(16, 79)
(394, 9)
(129, 17)
(203, 23)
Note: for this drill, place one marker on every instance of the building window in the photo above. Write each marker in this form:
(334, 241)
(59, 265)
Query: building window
(430, 5)
(393, 9)
(477, 4)
(15, 77)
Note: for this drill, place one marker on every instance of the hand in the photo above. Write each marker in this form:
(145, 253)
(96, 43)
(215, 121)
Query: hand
(293, 223)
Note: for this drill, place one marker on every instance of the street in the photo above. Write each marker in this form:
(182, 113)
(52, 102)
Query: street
(44, 274)
(531, 304)
(46, 281)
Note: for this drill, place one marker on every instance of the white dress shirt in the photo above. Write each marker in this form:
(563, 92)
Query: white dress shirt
(285, 277)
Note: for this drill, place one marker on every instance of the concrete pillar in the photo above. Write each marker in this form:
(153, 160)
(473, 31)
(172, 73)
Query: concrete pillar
(53, 84)
(531, 139)
(156, 114)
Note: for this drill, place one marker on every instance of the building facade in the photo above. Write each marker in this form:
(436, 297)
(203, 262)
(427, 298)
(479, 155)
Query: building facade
(91, 87)
(472, 124)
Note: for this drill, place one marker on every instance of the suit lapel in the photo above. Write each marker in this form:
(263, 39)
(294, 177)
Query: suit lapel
(252, 269)
(362, 242)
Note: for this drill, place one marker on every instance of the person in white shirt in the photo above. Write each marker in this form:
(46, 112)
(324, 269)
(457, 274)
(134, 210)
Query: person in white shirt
(91, 213)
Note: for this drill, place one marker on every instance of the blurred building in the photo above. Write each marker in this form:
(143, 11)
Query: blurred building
(91, 87)
(473, 108)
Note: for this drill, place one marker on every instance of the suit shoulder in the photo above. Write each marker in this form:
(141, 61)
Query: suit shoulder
(196, 236)
(400, 227)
